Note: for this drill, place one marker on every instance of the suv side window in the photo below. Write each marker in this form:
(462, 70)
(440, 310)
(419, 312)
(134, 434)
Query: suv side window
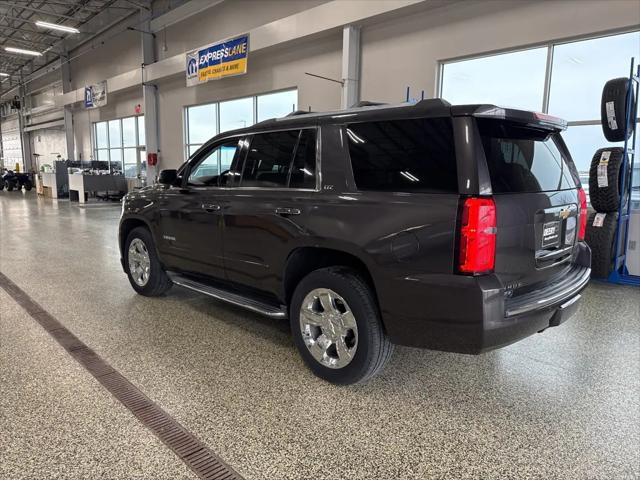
(213, 163)
(415, 155)
(268, 160)
(303, 171)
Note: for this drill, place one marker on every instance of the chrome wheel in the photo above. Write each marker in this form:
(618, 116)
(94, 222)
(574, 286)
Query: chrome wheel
(329, 328)
(139, 262)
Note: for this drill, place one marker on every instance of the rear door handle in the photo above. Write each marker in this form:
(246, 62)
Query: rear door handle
(287, 211)
(210, 207)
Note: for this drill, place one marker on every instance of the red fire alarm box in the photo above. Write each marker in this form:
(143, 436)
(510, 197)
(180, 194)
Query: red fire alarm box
(152, 159)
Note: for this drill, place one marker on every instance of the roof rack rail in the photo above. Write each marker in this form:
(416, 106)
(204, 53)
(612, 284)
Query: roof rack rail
(367, 103)
(298, 112)
(433, 102)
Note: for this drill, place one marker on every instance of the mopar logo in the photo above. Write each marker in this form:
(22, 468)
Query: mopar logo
(192, 67)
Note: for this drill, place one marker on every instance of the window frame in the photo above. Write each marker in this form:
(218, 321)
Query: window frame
(550, 46)
(138, 147)
(254, 113)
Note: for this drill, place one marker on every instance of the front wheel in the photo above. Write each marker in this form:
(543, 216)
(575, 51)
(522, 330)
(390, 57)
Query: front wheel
(8, 185)
(143, 266)
(336, 326)
(27, 185)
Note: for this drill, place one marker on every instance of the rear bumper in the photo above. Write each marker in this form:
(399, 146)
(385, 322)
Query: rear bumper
(472, 315)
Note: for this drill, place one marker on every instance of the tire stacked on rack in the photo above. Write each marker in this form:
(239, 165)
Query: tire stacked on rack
(606, 186)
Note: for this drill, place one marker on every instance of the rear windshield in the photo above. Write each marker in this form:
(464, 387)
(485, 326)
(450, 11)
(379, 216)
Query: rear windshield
(415, 155)
(523, 159)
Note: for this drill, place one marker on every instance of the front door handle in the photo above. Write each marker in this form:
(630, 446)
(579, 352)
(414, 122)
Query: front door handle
(210, 207)
(287, 211)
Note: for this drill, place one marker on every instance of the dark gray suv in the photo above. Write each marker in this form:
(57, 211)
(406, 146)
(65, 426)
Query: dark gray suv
(457, 228)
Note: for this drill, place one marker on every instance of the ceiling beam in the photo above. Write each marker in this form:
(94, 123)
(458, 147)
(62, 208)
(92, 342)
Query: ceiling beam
(39, 10)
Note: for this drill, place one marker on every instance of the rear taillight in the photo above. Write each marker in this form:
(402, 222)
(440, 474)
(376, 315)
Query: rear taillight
(477, 252)
(582, 214)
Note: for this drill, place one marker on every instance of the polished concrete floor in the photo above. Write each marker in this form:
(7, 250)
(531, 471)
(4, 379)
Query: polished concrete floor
(561, 405)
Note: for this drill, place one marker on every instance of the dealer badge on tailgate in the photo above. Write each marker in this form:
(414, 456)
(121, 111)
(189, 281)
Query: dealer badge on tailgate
(550, 234)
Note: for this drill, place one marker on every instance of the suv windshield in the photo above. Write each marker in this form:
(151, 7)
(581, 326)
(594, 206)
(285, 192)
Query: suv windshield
(524, 159)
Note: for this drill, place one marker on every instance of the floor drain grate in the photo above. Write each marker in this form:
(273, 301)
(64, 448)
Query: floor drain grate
(206, 464)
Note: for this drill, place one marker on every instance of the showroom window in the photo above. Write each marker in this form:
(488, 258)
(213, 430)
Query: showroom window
(563, 79)
(203, 122)
(513, 79)
(119, 144)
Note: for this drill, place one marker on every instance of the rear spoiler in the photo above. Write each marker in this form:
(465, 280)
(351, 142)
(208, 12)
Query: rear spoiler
(532, 119)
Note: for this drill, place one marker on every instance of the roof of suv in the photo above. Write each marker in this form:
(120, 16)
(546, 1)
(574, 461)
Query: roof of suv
(434, 107)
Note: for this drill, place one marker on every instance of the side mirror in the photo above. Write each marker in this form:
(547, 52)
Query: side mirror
(168, 177)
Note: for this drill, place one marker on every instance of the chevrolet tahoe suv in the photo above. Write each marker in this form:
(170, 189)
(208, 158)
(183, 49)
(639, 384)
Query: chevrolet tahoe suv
(457, 228)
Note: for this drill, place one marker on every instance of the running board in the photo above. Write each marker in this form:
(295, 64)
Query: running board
(233, 298)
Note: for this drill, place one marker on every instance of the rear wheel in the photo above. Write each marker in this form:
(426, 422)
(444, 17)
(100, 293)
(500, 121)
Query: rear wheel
(336, 326)
(27, 185)
(143, 266)
(8, 185)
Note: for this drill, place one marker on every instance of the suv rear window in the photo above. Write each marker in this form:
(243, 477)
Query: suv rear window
(415, 155)
(524, 159)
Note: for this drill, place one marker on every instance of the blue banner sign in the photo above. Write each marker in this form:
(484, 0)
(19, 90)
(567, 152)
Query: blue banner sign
(219, 60)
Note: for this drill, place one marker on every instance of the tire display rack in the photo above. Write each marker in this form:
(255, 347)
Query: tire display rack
(620, 273)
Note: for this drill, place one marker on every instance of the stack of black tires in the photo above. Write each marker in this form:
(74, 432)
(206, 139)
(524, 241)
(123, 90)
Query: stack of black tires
(606, 186)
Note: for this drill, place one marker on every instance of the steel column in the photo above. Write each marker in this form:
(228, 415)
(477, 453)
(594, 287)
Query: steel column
(68, 114)
(150, 98)
(350, 66)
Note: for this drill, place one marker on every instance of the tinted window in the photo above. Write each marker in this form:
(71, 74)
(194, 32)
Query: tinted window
(269, 159)
(212, 163)
(522, 159)
(303, 172)
(403, 155)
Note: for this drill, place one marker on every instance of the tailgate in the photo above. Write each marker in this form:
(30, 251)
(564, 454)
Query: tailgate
(535, 189)
(536, 236)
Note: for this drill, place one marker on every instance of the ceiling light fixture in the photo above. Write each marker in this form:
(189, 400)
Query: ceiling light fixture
(55, 26)
(23, 51)
(2, 74)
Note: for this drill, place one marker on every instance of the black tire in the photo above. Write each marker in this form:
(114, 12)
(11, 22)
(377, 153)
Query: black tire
(27, 185)
(600, 240)
(158, 282)
(613, 111)
(1, 185)
(373, 348)
(8, 185)
(607, 199)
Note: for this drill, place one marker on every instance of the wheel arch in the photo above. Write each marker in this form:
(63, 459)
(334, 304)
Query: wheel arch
(303, 260)
(127, 224)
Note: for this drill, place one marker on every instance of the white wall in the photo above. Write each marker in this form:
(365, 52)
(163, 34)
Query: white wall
(224, 20)
(119, 54)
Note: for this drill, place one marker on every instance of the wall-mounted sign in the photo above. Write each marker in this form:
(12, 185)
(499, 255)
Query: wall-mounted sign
(95, 95)
(219, 60)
